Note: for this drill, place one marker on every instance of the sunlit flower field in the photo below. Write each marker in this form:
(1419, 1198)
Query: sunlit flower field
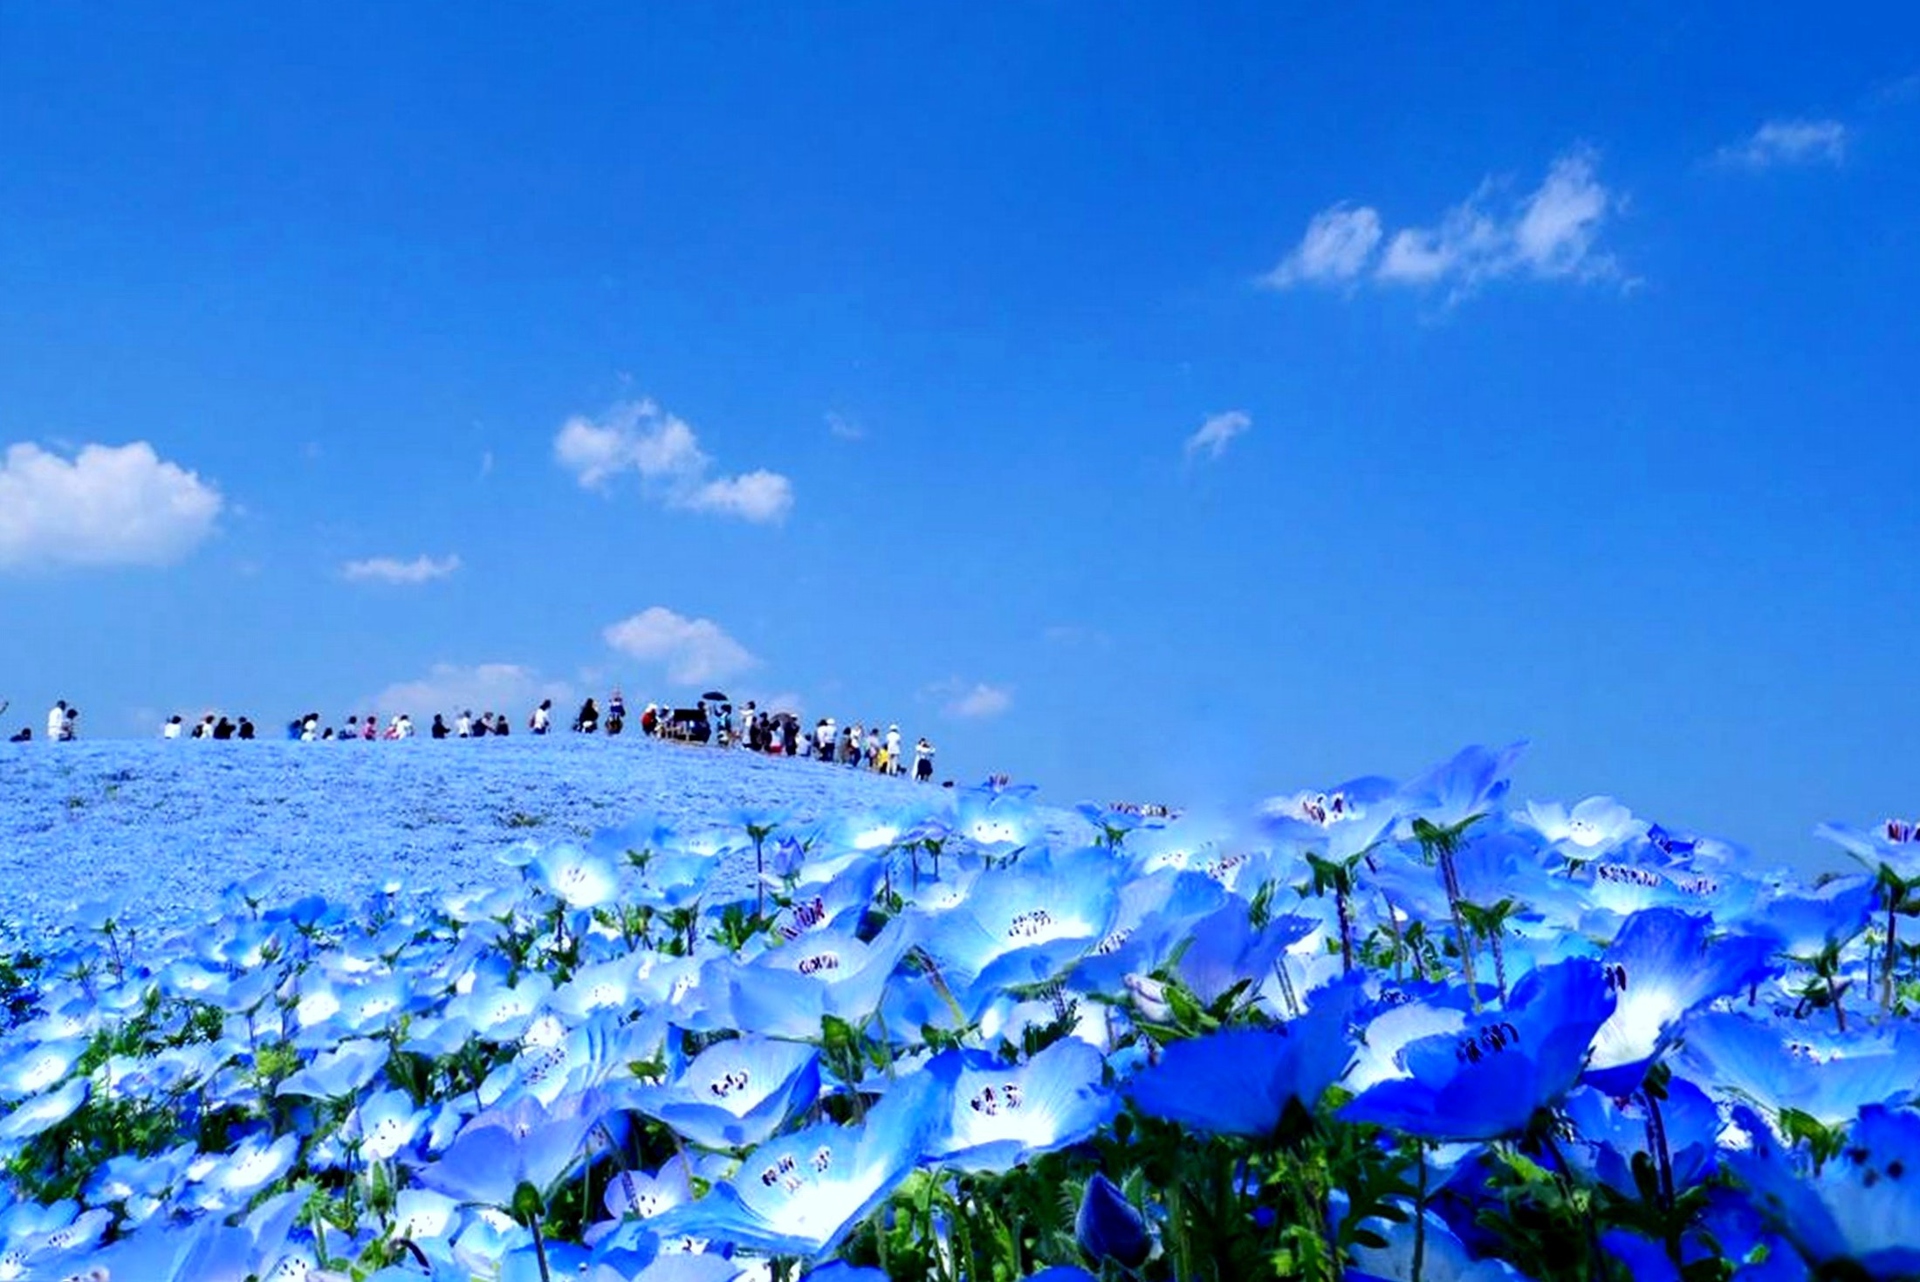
(585, 1010)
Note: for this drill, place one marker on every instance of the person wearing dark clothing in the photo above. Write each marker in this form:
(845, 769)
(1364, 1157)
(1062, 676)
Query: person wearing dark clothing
(223, 729)
(246, 729)
(588, 722)
(439, 730)
(23, 735)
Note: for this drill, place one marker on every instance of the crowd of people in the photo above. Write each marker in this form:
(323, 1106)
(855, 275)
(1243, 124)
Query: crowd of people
(711, 720)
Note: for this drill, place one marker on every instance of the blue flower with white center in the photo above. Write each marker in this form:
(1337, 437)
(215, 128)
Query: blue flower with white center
(574, 876)
(501, 1150)
(1592, 829)
(1153, 914)
(1857, 1210)
(787, 991)
(35, 1115)
(227, 1181)
(1227, 948)
(799, 1194)
(39, 1066)
(1660, 967)
(996, 819)
(735, 1093)
(342, 1071)
(1000, 1115)
(634, 1194)
(1778, 1067)
(1491, 1079)
(1472, 783)
(1244, 1081)
(1444, 1257)
(1022, 924)
(385, 1124)
(1806, 924)
(1611, 1132)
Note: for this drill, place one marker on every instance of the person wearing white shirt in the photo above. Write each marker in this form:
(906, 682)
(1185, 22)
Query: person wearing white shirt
(894, 766)
(172, 728)
(57, 721)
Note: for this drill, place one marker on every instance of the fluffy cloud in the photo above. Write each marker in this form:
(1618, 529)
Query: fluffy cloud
(387, 569)
(1335, 249)
(842, 428)
(1551, 233)
(664, 452)
(108, 505)
(487, 687)
(975, 702)
(1214, 435)
(753, 496)
(694, 651)
(1788, 142)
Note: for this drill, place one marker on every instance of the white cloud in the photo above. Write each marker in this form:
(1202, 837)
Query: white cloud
(754, 496)
(664, 452)
(842, 428)
(387, 569)
(1214, 435)
(509, 688)
(109, 505)
(1551, 233)
(1335, 249)
(694, 651)
(980, 701)
(1788, 142)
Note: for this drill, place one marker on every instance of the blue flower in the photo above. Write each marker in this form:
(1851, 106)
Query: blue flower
(735, 1093)
(1002, 1114)
(502, 1150)
(1109, 1227)
(1242, 1081)
(1860, 1207)
(1662, 966)
(799, 1194)
(1490, 1080)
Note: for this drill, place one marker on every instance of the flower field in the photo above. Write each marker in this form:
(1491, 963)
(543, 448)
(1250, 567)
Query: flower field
(560, 1011)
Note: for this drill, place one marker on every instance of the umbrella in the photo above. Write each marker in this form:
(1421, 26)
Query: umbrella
(716, 696)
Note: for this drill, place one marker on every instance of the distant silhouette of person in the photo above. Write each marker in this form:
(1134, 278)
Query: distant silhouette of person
(23, 735)
(542, 717)
(172, 729)
(223, 730)
(616, 712)
(56, 720)
(246, 729)
(439, 728)
(588, 722)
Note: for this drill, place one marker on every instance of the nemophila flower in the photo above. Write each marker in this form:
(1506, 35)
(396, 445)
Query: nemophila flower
(799, 1194)
(341, 1071)
(1022, 924)
(1855, 1215)
(1243, 1081)
(1443, 1256)
(384, 1125)
(1611, 1132)
(35, 1067)
(636, 1195)
(574, 876)
(1108, 1227)
(228, 1180)
(735, 1093)
(1894, 847)
(788, 991)
(1472, 783)
(1804, 924)
(1593, 827)
(1152, 914)
(996, 819)
(1662, 965)
(420, 1214)
(1491, 1079)
(999, 1115)
(1226, 948)
(32, 1116)
(37, 1241)
(1792, 1066)
(522, 1144)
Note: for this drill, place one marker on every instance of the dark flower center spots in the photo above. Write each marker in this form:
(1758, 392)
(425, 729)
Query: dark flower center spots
(818, 962)
(781, 1172)
(1493, 1039)
(1616, 978)
(729, 1083)
(1029, 924)
(990, 1103)
(805, 917)
(1625, 875)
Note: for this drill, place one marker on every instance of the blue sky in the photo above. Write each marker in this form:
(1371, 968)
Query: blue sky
(1155, 405)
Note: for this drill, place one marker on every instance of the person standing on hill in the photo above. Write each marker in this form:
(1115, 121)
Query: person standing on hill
(56, 721)
(923, 761)
(172, 729)
(542, 717)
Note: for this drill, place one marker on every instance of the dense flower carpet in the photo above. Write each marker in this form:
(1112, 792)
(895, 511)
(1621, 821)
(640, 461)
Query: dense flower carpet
(1403, 1030)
